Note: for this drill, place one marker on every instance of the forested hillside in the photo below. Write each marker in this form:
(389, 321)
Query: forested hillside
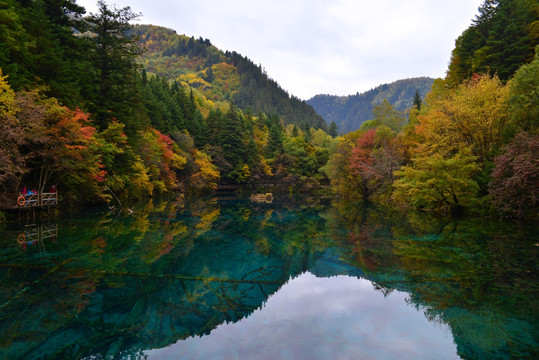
(349, 112)
(79, 110)
(472, 144)
(502, 37)
(82, 108)
(220, 76)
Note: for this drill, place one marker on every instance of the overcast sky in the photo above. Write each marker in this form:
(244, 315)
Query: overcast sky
(312, 47)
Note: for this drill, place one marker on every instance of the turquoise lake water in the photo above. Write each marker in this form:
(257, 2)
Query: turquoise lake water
(232, 279)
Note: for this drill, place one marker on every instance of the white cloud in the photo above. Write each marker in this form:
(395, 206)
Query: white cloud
(316, 46)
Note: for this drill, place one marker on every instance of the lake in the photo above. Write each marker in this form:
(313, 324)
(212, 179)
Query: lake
(230, 279)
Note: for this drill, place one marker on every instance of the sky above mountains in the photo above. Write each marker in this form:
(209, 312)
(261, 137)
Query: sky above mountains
(312, 47)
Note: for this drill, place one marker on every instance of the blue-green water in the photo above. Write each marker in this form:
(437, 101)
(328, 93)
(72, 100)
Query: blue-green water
(231, 279)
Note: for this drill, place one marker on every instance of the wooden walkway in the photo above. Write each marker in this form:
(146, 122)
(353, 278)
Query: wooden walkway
(28, 201)
(27, 204)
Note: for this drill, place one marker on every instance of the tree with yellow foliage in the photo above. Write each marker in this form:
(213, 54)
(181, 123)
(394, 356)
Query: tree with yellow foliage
(437, 182)
(471, 116)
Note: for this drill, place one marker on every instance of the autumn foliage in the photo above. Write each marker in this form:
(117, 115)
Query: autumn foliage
(515, 180)
(78, 111)
(450, 157)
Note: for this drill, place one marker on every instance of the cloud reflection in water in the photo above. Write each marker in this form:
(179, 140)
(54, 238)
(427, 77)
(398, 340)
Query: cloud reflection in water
(339, 317)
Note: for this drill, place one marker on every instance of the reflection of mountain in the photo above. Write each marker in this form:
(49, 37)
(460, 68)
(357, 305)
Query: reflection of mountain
(336, 317)
(111, 300)
(329, 264)
(117, 286)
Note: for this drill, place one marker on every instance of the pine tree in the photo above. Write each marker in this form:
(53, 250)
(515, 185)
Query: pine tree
(501, 39)
(332, 131)
(209, 74)
(113, 91)
(417, 101)
(275, 141)
(230, 136)
(486, 12)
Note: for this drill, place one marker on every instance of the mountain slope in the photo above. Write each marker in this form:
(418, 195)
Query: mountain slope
(349, 112)
(220, 75)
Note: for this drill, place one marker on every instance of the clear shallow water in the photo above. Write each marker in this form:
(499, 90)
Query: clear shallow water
(232, 279)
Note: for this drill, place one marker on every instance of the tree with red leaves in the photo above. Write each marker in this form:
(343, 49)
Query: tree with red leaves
(514, 188)
(373, 160)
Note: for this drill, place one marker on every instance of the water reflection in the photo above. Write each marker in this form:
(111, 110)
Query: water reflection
(477, 276)
(36, 235)
(114, 286)
(340, 317)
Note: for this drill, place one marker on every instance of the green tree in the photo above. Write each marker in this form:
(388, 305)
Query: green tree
(337, 169)
(501, 39)
(113, 92)
(61, 57)
(209, 74)
(213, 122)
(275, 141)
(231, 137)
(12, 162)
(524, 96)
(509, 44)
(417, 101)
(332, 130)
(15, 45)
(385, 114)
(117, 156)
(437, 182)
(38, 46)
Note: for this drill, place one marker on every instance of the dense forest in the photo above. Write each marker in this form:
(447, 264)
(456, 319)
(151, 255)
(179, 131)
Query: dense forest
(220, 76)
(472, 144)
(349, 112)
(108, 111)
(80, 112)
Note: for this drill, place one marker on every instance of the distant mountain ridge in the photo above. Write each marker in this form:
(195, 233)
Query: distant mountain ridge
(349, 112)
(220, 76)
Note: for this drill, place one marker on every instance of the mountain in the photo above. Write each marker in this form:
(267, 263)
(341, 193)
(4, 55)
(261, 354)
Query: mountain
(220, 76)
(349, 112)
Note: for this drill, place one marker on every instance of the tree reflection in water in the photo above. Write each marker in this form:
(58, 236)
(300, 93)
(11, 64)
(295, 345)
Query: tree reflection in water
(476, 275)
(118, 285)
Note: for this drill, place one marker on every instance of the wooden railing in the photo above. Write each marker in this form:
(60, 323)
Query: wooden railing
(22, 201)
(28, 200)
(48, 199)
